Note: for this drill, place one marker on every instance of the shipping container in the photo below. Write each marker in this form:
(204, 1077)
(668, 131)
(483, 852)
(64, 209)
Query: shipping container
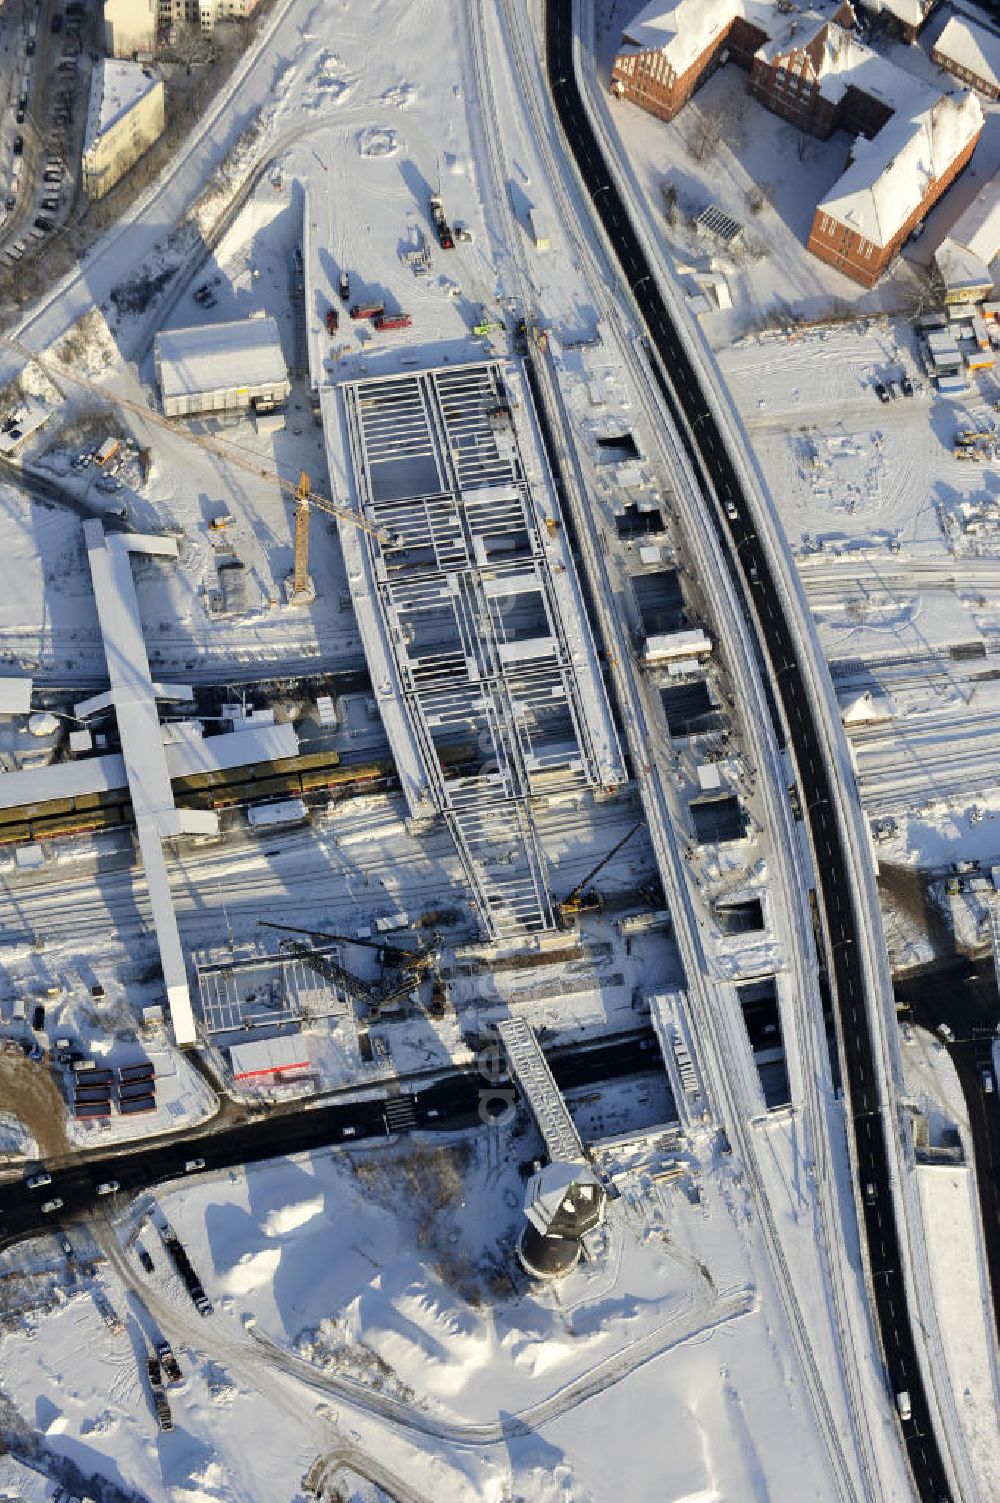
(84, 1109)
(132, 1090)
(94, 1076)
(142, 1071)
(134, 1105)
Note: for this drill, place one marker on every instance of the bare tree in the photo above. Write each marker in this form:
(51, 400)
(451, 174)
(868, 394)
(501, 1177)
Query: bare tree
(704, 139)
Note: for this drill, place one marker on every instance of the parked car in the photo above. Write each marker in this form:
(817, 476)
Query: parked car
(881, 392)
(145, 1259)
(18, 145)
(49, 1206)
(58, 21)
(906, 386)
(38, 1017)
(988, 1082)
(38, 1181)
(108, 1187)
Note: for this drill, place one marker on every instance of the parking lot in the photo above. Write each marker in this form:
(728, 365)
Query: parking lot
(47, 57)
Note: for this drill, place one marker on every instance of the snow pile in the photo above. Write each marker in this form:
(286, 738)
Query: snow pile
(15, 1139)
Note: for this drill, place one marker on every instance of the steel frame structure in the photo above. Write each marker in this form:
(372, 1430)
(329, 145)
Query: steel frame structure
(481, 640)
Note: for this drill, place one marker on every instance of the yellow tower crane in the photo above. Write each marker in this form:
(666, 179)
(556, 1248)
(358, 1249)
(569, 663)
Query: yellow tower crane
(305, 497)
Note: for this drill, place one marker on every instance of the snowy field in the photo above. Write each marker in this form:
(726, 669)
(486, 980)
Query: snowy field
(371, 1301)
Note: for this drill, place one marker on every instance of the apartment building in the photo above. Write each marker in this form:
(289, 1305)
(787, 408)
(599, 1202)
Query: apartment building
(130, 27)
(124, 118)
(205, 13)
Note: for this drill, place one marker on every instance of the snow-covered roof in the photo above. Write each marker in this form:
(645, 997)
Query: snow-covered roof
(289, 1051)
(681, 31)
(548, 1190)
(911, 12)
(863, 706)
(210, 357)
(243, 748)
(970, 47)
(15, 695)
(889, 176)
(115, 88)
(839, 62)
(960, 269)
(978, 228)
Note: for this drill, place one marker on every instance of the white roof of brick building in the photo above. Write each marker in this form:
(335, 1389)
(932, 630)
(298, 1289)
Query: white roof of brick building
(891, 174)
(115, 88)
(978, 228)
(843, 62)
(680, 31)
(970, 47)
(211, 357)
(959, 269)
(911, 12)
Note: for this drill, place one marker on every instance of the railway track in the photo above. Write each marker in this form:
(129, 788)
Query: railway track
(634, 715)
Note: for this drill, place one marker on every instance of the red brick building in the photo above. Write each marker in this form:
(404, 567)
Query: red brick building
(667, 51)
(890, 184)
(815, 73)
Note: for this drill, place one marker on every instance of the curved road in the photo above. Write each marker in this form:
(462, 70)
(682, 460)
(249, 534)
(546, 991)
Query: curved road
(752, 573)
(449, 1103)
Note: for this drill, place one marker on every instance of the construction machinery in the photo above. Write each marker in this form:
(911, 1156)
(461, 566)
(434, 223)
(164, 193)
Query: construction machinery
(58, 374)
(581, 900)
(301, 589)
(402, 969)
(442, 228)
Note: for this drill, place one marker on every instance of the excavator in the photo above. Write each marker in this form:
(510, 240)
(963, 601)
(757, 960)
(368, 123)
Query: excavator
(402, 969)
(584, 900)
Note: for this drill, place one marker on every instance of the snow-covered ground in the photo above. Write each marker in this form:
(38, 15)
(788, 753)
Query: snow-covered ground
(373, 1298)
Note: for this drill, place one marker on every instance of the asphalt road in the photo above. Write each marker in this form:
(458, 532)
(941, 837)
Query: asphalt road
(450, 1103)
(752, 574)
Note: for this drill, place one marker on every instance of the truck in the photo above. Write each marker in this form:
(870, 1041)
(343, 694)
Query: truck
(107, 451)
(332, 320)
(391, 321)
(168, 1362)
(367, 310)
(442, 228)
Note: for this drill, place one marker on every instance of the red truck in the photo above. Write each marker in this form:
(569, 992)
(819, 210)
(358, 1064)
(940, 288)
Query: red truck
(332, 320)
(367, 310)
(391, 321)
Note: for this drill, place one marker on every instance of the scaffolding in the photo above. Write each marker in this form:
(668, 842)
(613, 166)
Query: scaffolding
(486, 639)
